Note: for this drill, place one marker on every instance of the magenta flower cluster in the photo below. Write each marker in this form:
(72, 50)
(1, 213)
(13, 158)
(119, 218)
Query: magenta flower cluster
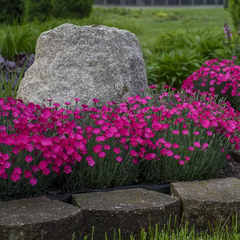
(214, 74)
(51, 140)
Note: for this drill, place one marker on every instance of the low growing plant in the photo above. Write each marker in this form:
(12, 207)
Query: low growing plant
(156, 138)
(193, 48)
(163, 16)
(173, 67)
(186, 129)
(12, 72)
(16, 39)
(232, 48)
(206, 41)
(221, 78)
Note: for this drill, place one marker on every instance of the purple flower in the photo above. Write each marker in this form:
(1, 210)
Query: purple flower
(227, 31)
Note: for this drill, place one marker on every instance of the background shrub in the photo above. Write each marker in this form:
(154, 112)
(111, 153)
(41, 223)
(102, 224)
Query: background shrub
(207, 42)
(178, 54)
(43, 9)
(71, 8)
(173, 67)
(234, 10)
(10, 11)
(36, 9)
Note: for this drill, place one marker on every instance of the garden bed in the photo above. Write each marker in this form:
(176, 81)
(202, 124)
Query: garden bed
(232, 169)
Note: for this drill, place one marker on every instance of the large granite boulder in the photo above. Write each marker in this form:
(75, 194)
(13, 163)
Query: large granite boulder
(84, 62)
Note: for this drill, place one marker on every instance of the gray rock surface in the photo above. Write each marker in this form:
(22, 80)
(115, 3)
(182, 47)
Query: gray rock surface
(84, 62)
(39, 218)
(128, 210)
(208, 201)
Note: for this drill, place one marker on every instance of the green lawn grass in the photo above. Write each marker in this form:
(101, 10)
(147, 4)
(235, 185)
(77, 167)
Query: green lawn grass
(223, 231)
(177, 19)
(147, 24)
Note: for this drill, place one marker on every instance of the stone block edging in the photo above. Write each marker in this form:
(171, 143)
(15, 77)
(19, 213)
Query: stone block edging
(211, 201)
(39, 218)
(127, 209)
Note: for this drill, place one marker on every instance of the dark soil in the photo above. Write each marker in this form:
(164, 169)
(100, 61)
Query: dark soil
(232, 168)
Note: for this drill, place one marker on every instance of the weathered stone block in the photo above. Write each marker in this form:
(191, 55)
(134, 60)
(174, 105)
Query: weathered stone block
(84, 62)
(39, 218)
(128, 210)
(204, 202)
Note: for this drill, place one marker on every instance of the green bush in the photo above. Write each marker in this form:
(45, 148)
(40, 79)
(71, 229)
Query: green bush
(234, 10)
(169, 41)
(22, 38)
(36, 9)
(173, 67)
(10, 11)
(178, 54)
(206, 42)
(225, 6)
(71, 8)
(42, 9)
(160, 14)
